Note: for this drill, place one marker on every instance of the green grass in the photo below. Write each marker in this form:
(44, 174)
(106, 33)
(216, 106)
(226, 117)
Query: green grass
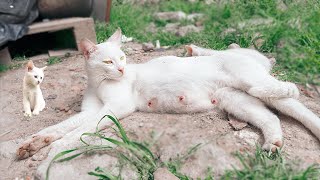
(53, 60)
(293, 35)
(260, 165)
(263, 165)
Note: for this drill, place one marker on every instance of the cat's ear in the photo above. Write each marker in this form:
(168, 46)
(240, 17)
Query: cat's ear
(87, 47)
(116, 37)
(189, 50)
(43, 68)
(30, 66)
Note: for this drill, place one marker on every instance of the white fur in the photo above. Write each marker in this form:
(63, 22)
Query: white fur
(33, 101)
(238, 82)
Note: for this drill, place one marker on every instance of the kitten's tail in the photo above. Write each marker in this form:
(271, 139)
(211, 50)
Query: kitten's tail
(297, 110)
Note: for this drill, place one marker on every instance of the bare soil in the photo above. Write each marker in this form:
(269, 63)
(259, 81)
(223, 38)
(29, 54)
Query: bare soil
(63, 89)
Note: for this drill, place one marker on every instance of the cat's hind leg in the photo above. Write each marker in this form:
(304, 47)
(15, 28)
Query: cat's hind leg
(293, 108)
(255, 79)
(252, 110)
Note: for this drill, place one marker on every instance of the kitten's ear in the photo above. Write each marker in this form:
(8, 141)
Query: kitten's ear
(43, 68)
(189, 50)
(116, 37)
(30, 66)
(87, 47)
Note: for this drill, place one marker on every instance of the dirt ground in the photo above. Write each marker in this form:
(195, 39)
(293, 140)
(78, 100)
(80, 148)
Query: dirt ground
(63, 89)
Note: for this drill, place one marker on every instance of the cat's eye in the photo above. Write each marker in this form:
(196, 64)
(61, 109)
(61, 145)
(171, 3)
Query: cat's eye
(108, 62)
(35, 76)
(122, 58)
(40, 77)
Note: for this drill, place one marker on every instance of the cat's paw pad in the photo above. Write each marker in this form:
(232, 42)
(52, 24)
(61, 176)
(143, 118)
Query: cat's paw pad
(272, 147)
(35, 113)
(27, 114)
(32, 146)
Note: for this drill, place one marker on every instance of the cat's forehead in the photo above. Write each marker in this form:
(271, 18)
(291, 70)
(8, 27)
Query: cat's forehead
(110, 49)
(37, 71)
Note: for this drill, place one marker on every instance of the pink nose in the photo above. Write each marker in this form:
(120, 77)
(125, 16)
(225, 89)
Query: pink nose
(121, 70)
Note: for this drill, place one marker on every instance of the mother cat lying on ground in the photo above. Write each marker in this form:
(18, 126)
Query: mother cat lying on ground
(235, 80)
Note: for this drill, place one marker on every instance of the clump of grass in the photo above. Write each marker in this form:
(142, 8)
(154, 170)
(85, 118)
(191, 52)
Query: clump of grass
(132, 152)
(20, 58)
(3, 68)
(174, 165)
(263, 165)
(53, 60)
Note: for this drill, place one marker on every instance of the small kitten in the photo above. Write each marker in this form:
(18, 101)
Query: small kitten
(32, 96)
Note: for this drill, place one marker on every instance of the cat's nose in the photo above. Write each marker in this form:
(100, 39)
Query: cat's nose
(121, 69)
(38, 82)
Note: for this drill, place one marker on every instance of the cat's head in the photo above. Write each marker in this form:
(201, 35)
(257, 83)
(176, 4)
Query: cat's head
(106, 56)
(34, 75)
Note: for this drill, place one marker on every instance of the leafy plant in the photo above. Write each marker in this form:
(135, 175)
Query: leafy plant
(263, 165)
(53, 60)
(134, 153)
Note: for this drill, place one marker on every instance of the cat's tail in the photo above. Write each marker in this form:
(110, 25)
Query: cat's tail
(293, 108)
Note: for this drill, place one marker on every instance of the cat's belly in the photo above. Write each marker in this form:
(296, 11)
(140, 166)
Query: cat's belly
(175, 93)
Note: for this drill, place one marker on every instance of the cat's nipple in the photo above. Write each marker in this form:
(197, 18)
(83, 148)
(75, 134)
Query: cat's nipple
(214, 101)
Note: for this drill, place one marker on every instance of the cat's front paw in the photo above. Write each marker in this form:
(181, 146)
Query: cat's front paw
(32, 146)
(272, 146)
(27, 114)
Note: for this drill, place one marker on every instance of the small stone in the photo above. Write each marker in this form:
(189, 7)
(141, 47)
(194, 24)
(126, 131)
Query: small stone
(164, 174)
(184, 30)
(236, 124)
(147, 46)
(228, 31)
(70, 112)
(140, 124)
(38, 157)
(171, 27)
(233, 46)
(173, 16)
(194, 16)
(52, 96)
(152, 28)
(77, 108)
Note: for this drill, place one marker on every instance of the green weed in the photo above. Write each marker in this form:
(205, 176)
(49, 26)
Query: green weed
(53, 60)
(263, 165)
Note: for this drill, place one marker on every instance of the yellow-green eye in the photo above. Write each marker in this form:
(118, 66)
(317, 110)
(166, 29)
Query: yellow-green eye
(122, 58)
(108, 61)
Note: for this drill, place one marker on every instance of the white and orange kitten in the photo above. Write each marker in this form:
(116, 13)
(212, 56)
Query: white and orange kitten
(33, 101)
(234, 80)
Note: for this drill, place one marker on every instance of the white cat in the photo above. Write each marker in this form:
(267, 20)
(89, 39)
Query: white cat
(236, 82)
(32, 96)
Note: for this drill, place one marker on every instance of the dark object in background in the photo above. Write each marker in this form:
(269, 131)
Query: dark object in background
(15, 16)
(64, 8)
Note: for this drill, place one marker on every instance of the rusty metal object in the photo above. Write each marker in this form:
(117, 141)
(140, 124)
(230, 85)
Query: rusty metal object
(64, 8)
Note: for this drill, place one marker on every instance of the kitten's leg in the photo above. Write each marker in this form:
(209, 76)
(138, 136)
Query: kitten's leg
(250, 109)
(90, 106)
(26, 106)
(37, 105)
(293, 108)
(42, 102)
